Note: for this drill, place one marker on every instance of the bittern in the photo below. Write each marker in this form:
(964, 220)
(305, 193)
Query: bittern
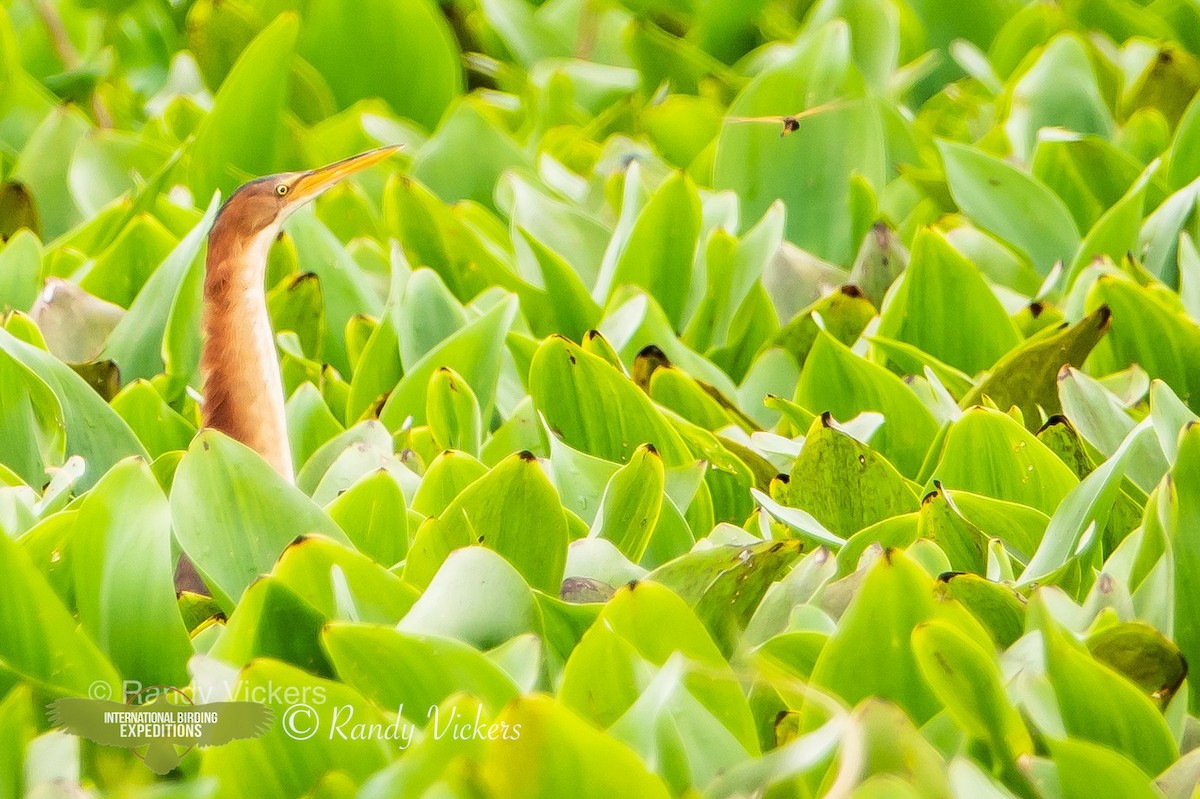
(243, 387)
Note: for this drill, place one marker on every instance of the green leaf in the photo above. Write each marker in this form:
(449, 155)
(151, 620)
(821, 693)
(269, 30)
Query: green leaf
(94, 431)
(476, 597)
(513, 510)
(1028, 376)
(137, 344)
(157, 425)
(474, 352)
(20, 270)
(121, 554)
(1174, 353)
(32, 423)
(845, 484)
(871, 655)
(559, 754)
(453, 412)
(1010, 204)
(629, 509)
(283, 765)
(1087, 769)
(967, 679)
(645, 624)
(234, 515)
(1020, 469)
(373, 516)
(595, 408)
(402, 52)
(725, 584)
(414, 672)
(1099, 705)
(940, 295)
(657, 253)
(41, 642)
(230, 143)
(838, 381)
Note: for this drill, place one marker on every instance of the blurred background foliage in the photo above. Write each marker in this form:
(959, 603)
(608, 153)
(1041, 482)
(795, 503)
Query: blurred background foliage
(766, 398)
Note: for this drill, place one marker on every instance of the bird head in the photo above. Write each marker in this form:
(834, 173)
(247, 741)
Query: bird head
(262, 205)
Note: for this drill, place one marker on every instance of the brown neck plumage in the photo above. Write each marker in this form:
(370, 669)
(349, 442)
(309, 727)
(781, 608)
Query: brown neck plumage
(243, 390)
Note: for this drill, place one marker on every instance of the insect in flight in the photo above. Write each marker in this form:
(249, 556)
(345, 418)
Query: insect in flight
(790, 123)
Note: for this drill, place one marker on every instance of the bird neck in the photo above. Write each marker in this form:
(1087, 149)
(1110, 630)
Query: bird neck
(243, 388)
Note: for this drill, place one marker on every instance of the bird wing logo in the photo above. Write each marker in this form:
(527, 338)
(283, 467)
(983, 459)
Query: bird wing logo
(162, 727)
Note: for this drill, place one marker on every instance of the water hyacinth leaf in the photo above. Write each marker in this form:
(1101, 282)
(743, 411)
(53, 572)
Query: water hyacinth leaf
(310, 423)
(1023, 469)
(657, 254)
(473, 352)
(124, 266)
(845, 484)
(998, 607)
(513, 510)
(158, 426)
(860, 661)
(467, 126)
(588, 764)
(94, 431)
(253, 630)
(836, 380)
(233, 514)
(629, 510)
(287, 766)
(1058, 90)
(342, 583)
(667, 724)
(1171, 357)
(20, 269)
(297, 305)
(844, 315)
(403, 52)
(1084, 769)
(967, 679)
(32, 426)
(1144, 655)
(136, 344)
(421, 671)
(368, 437)
(941, 294)
(1179, 505)
(1099, 705)
(228, 139)
(444, 479)
(373, 515)
(345, 290)
(1087, 506)
(1010, 204)
(452, 412)
(639, 629)
(725, 584)
(1027, 377)
(121, 554)
(43, 168)
(477, 597)
(44, 645)
(595, 408)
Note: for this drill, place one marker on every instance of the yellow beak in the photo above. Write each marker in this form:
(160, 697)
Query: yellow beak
(318, 180)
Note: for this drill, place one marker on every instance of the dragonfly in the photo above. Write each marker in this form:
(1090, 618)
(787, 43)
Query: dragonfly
(790, 123)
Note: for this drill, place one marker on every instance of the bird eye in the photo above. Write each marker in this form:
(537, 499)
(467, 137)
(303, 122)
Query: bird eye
(281, 189)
